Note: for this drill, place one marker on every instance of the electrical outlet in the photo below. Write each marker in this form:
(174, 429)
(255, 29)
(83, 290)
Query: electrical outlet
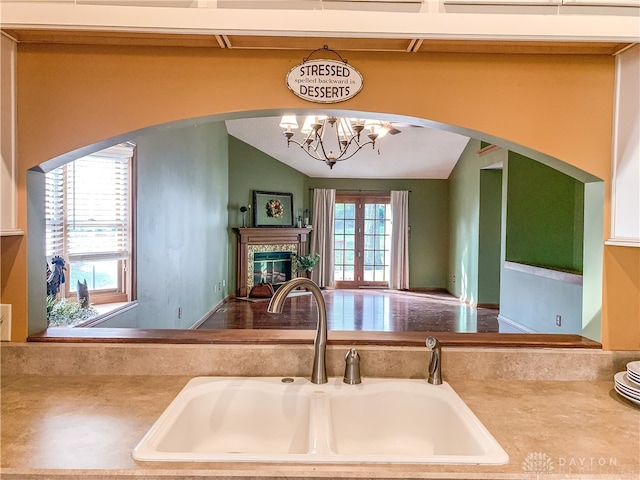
(558, 320)
(179, 312)
(219, 286)
(5, 322)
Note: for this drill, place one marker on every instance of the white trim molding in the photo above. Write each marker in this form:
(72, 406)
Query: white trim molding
(512, 326)
(625, 184)
(8, 190)
(623, 242)
(565, 277)
(206, 316)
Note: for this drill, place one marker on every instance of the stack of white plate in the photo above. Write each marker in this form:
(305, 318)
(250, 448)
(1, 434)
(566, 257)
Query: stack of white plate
(627, 383)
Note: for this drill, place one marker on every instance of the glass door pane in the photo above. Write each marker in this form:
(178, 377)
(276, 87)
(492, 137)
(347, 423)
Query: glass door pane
(362, 240)
(377, 242)
(345, 242)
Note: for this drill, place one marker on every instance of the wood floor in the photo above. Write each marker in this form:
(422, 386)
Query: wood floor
(355, 317)
(360, 310)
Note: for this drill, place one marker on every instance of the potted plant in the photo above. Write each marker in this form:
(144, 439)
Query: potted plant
(304, 263)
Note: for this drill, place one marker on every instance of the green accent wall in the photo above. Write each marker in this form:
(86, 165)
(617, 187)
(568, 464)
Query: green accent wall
(545, 216)
(464, 225)
(534, 296)
(552, 215)
(489, 236)
(428, 217)
(182, 254)
(250, 169)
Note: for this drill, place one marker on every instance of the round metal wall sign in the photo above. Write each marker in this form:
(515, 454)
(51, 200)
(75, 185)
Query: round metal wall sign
(324, 81)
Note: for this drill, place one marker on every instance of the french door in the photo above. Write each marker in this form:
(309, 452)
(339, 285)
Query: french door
(362, 240)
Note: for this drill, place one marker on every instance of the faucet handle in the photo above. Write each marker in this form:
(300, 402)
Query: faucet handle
(352, 367)
(435, 362)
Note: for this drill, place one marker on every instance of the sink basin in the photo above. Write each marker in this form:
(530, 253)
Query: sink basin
(236, 416)
(260, 419)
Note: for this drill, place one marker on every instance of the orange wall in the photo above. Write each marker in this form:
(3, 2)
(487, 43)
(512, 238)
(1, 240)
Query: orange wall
(621, 300)
(71, 96)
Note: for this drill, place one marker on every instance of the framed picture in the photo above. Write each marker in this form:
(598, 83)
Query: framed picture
(272, 209)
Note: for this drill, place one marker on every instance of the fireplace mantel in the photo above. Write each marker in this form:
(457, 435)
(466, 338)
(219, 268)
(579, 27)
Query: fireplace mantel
(247, 237)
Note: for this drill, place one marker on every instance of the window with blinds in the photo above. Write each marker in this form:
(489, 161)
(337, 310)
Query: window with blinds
(88, 222)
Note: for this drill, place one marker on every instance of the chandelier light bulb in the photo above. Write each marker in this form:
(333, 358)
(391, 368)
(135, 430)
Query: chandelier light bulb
(307, 126)
(382, 130)
(357, 125)
(289, 122)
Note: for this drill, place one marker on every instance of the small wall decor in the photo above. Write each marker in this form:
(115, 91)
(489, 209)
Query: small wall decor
(272, 209)
(324, 80)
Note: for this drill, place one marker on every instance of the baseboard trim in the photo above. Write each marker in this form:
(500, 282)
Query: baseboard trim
(518, 327)
(427, 290)
(492, 306)
(97, 320)
(206, 316)
(463, 300)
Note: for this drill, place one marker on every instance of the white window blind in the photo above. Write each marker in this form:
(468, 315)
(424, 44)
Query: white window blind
(88, 218)
(97, 207)
(54, 212)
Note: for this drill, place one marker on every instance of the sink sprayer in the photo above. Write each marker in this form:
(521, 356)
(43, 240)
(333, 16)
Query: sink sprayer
(435, 363)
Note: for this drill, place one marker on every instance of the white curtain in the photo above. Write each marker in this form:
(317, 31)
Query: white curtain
(324, 204)
(399, 240)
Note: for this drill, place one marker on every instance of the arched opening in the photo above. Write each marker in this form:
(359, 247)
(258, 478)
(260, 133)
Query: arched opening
(192, 172)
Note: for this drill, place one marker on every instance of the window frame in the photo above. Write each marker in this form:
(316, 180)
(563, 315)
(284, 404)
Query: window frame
(126, 273)
(360, 199)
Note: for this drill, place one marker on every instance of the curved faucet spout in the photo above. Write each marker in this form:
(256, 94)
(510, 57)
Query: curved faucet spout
(319, 372)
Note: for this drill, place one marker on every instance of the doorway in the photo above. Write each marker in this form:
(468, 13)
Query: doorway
(362, 240)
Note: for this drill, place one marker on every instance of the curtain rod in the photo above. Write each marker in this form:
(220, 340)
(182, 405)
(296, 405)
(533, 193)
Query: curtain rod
(352, 190)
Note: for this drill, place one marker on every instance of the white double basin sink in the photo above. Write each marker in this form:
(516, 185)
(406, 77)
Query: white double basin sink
(260, 419)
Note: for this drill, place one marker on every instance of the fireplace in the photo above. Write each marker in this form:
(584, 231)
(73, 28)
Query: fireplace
(264, 254)
(269, 263)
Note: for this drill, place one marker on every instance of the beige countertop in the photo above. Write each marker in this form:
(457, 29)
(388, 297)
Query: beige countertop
(65, 426)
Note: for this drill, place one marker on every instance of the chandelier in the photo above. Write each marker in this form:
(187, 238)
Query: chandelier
(333, 139)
